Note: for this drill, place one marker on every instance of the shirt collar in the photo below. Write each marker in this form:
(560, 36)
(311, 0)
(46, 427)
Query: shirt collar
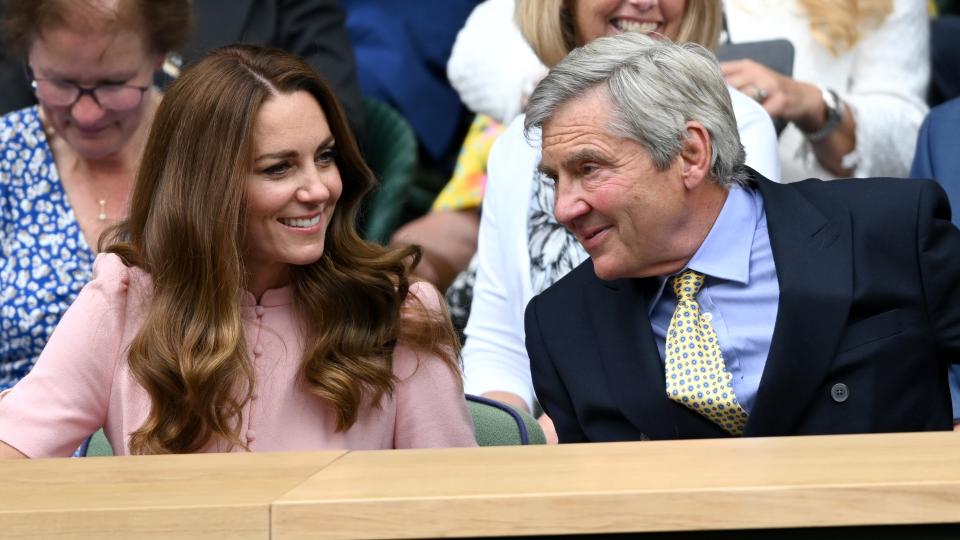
(725, 252)
(271, 298)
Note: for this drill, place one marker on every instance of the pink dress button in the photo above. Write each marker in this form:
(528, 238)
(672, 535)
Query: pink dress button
(251, 436)
(258, 310)
(258, 350)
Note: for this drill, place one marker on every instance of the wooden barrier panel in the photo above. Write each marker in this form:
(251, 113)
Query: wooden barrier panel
(711, 485)
(208, 496)
(630, 487)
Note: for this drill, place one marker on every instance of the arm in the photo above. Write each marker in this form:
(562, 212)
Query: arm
(494, 357)
(551, 390)
(883, 103)
(923, 168)
(888, 91)
(316, 30)
(757, 135)
(491, 65)
(939, 257)
(9, 452)
(431, 409)
(65, 397)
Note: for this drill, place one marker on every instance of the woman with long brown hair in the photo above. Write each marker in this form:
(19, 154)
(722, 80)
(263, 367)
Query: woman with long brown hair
(237, 308)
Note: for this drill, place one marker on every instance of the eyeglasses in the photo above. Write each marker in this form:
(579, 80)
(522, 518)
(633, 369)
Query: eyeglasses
(117, 97)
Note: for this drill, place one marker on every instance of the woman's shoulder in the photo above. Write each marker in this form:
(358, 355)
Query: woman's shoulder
(114, 278)
(424, 309)
(422, 296)
(745, 107)
(21, 125)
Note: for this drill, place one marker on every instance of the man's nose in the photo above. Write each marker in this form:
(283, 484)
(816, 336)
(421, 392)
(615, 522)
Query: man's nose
(568, 205)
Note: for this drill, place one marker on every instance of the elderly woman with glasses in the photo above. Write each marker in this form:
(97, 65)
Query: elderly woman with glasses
(67, 166)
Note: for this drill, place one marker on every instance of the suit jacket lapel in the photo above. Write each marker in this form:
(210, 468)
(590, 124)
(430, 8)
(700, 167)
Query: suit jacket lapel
(813, 256)
(631, 362)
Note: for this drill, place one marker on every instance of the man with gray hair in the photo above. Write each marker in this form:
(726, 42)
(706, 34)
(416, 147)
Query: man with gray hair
(715, 302)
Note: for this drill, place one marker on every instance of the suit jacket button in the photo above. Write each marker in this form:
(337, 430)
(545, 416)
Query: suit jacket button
(839, 392)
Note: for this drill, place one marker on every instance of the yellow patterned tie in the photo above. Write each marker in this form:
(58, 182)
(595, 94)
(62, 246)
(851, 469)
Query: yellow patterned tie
(695, 372)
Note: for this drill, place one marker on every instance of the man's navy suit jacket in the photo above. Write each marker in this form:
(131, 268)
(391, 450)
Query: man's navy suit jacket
(869, 274)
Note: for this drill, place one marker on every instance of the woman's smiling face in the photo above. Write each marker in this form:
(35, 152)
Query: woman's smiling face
(292, 188)
(594, 19)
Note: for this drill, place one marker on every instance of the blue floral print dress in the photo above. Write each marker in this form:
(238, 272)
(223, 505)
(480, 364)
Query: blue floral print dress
(45, 259)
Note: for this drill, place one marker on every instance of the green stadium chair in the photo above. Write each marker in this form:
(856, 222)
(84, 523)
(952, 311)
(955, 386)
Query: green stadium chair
(390, 149)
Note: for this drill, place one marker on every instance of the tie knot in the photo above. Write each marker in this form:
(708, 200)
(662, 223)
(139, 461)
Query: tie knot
(687, 284)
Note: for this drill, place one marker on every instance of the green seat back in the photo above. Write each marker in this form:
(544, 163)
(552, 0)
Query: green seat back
(99, 445)
(390, 149)
(497, 424)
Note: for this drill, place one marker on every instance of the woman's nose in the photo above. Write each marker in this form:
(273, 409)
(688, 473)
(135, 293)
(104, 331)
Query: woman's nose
(86, 112)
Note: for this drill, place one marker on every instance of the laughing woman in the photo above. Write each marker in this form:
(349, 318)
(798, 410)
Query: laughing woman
(237, 309)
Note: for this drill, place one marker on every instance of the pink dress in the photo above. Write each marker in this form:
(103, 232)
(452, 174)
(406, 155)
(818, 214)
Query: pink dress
(82, 382)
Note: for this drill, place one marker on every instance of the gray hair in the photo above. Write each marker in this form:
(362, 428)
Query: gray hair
(656, 87)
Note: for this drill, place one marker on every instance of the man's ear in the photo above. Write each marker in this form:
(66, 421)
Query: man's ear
(696, 155)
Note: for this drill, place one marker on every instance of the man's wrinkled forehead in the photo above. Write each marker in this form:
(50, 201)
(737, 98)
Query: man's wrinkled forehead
(577, 130)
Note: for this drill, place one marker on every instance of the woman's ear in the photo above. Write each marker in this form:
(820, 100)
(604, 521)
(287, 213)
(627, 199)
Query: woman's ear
(696, 155)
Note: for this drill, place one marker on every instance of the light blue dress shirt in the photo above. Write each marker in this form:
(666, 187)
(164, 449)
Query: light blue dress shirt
(740, 292)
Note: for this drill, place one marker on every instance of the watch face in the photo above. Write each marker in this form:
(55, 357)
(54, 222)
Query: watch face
(834, 109)
(831, 100)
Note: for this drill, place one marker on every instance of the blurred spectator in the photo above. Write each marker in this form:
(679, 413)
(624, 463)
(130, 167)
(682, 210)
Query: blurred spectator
(67, 166)
(402, 47)
(858, 92)
(492, 66)
(402, 50)
(313, 29)
(938, 158)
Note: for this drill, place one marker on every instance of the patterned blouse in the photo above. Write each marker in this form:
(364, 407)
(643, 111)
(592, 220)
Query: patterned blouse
(45, 259)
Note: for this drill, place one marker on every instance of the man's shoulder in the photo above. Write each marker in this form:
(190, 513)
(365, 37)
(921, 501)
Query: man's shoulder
(875, 206)
(870, 195)
(574, 288)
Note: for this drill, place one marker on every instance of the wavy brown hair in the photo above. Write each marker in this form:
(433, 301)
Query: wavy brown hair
(547, 25)
(185, 229)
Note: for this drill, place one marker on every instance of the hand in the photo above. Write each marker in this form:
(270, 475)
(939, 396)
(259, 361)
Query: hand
(956, 425)
(781, 96)
(448, 241)
(546, 424)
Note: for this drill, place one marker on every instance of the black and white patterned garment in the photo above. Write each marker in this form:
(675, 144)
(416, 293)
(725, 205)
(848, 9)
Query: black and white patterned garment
(554, 251)
(459, 296)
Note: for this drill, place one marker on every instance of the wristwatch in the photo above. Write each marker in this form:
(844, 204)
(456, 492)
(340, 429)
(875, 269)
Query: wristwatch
(834, 106)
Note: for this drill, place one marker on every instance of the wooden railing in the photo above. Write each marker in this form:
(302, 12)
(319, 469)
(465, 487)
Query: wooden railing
(709, 485)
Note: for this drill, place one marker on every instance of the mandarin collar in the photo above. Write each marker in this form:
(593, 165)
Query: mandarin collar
(281, 296)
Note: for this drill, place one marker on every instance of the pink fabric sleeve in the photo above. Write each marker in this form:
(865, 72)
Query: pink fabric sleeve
(65, 397)
(431, 409)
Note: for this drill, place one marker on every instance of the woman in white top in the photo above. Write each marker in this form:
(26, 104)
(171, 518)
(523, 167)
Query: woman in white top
(522, 249)
(856, 99)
